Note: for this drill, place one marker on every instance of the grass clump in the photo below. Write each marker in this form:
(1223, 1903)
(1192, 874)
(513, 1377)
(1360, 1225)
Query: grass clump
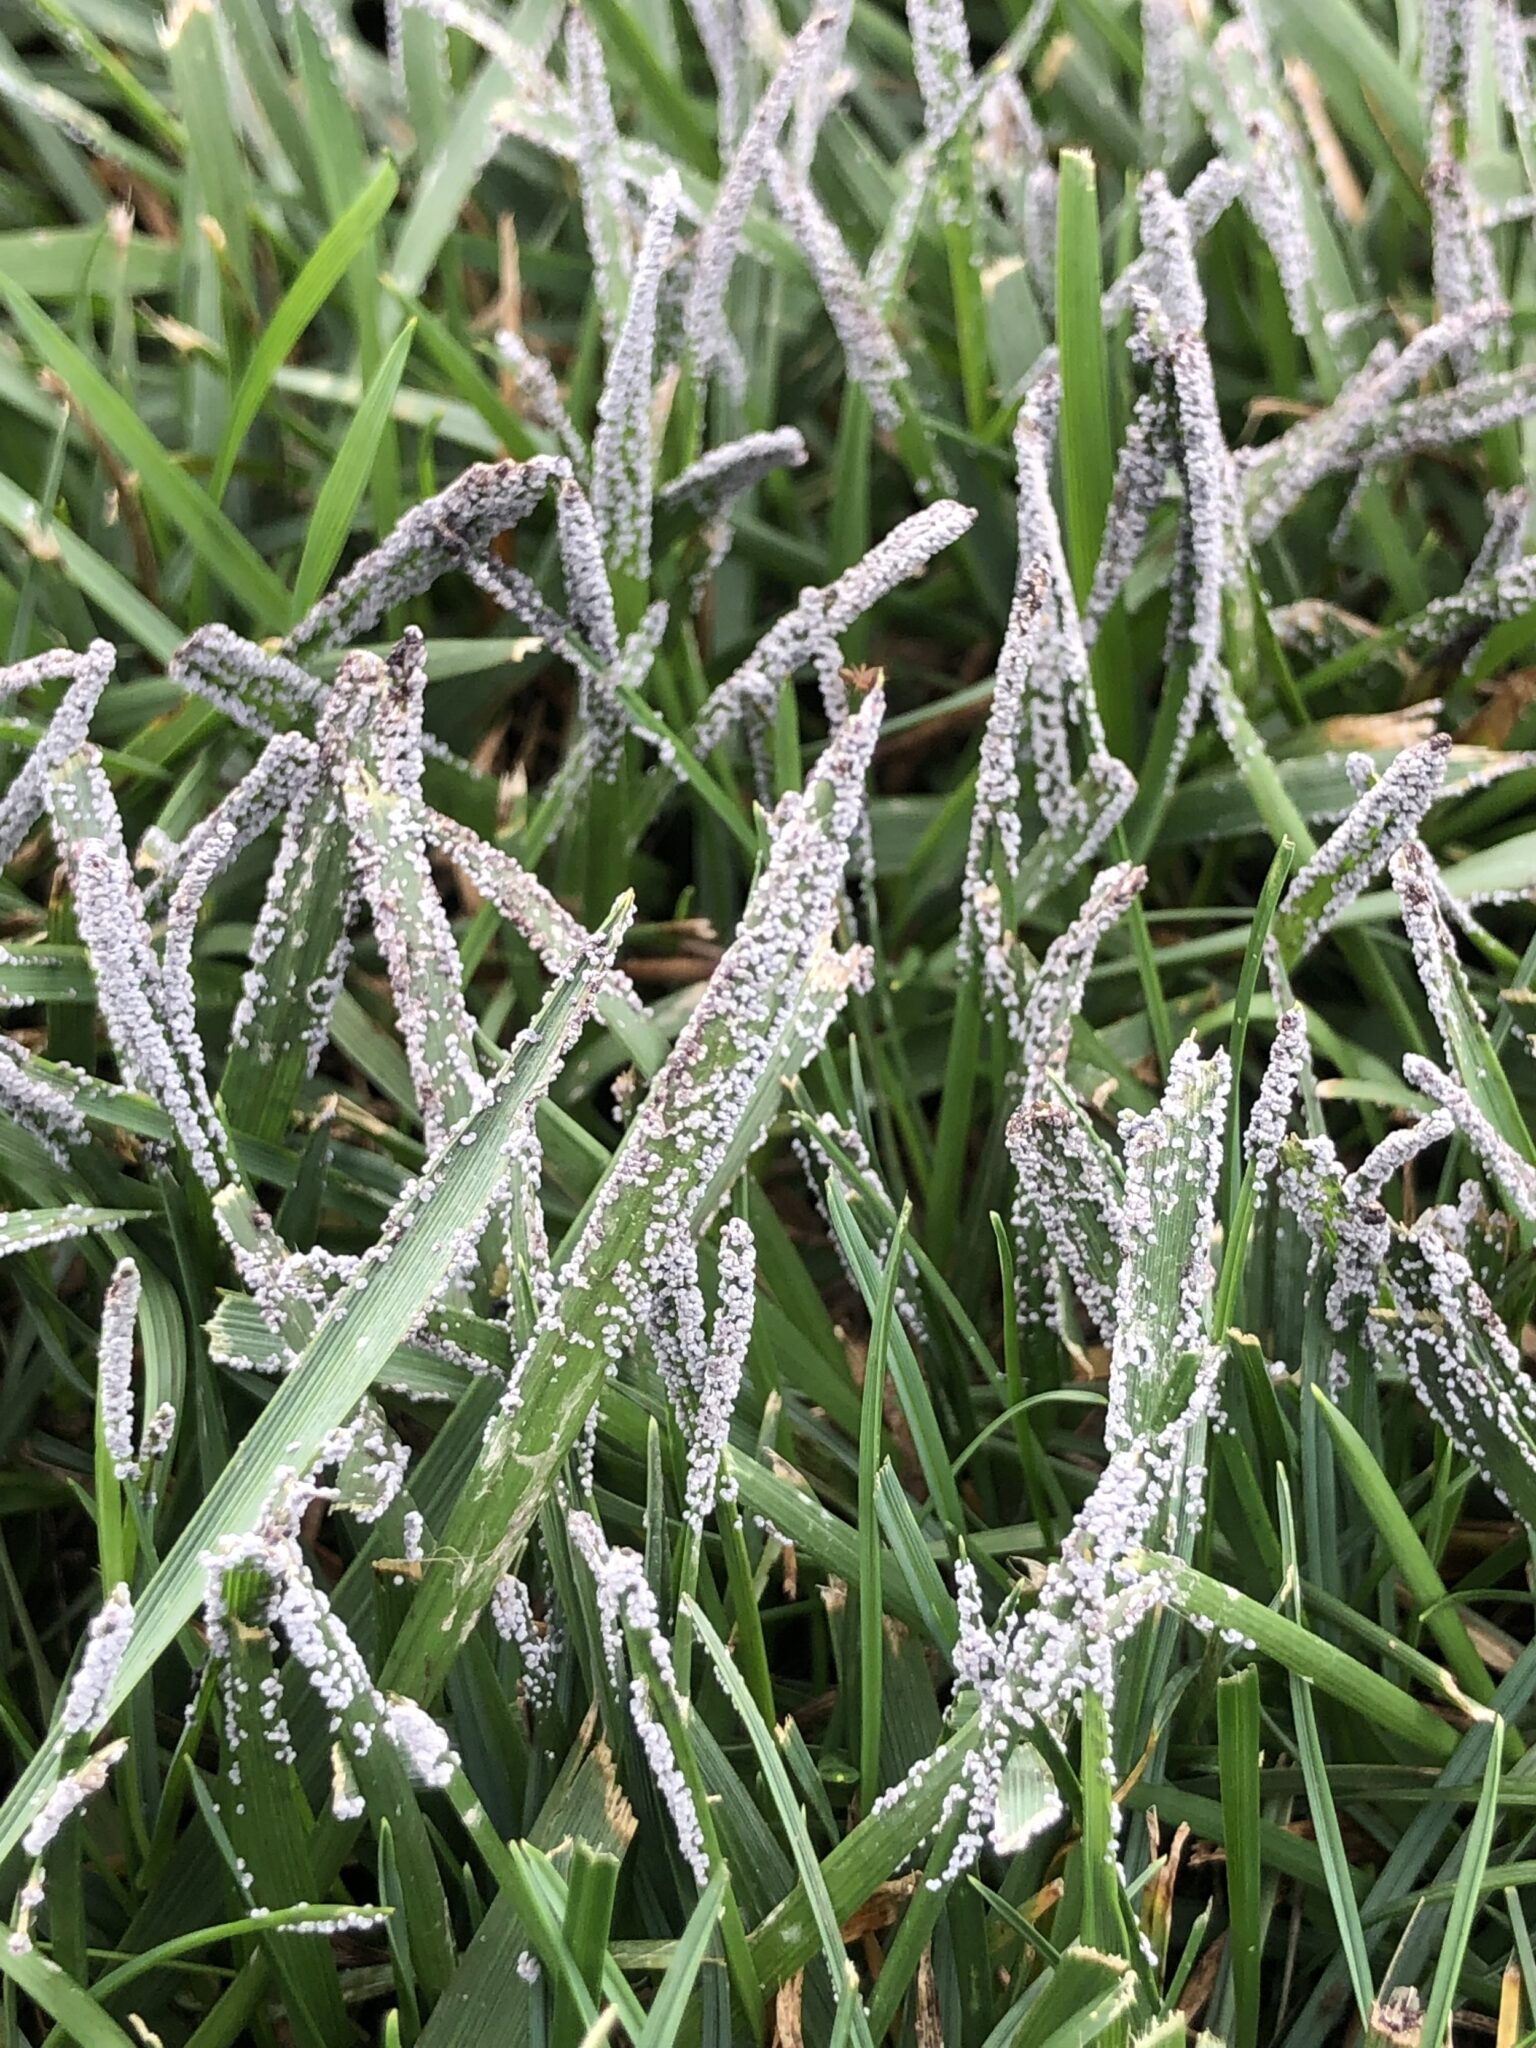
(765, 1136)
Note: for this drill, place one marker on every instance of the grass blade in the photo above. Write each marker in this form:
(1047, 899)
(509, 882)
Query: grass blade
(350, 475)
(1237, 1709)
(324, 270)
(665, 2020)
(1464, 1904)
(871, 1606)
(219, 545)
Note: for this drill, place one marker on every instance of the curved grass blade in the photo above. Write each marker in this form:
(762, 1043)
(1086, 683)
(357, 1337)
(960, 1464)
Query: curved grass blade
(326, 267)
(214, 540)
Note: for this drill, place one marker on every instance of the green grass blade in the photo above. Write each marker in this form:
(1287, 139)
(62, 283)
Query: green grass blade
(911, 1388)
(201, 93)
(1454, 1947)
(791, 1820)
(1308, 1657)
(1247, 982)
(871, 1606)
(1087, 448)
(60, 1996)
(1426, 1588)
(219, 545)
(350, 475)
(592, 1882)
(1077, 2003)
(668, 2013)
(1237, 1712)
(324, 270)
